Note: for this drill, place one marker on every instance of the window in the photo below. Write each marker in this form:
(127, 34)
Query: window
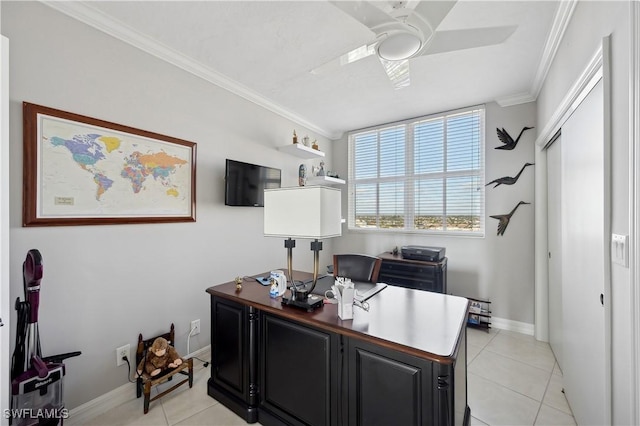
(422, 175)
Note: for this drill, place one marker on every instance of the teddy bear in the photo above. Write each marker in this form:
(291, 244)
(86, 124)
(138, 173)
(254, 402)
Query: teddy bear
(160, 356)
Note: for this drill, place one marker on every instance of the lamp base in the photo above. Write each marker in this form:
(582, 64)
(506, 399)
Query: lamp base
(311, 303)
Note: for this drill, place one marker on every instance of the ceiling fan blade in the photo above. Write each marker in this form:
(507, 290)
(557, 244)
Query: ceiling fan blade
(349, 57)
(447, 41)
(368, 15)
(434, 11)
(398, 72)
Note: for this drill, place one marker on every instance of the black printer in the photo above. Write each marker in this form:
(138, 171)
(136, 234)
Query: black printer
(428, 254)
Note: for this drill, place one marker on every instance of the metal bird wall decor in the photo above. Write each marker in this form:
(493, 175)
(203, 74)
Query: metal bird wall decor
(505, 218)
(508, 180)
(507, 140)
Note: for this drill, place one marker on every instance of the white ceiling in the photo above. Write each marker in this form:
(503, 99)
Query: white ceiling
(265, 50)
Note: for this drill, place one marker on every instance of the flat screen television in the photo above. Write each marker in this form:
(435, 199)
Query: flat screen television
(245, 183)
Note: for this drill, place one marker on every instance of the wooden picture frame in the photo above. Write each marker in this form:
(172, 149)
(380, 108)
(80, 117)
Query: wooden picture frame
(79, 170)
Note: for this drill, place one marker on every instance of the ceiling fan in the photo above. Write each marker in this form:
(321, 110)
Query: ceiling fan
(403, 32)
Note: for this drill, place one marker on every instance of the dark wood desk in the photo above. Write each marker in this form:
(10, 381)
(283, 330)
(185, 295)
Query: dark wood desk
(402, 362)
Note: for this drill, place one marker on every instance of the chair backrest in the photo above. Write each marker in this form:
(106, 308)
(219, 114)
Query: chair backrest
(144, 344)
(358, 267)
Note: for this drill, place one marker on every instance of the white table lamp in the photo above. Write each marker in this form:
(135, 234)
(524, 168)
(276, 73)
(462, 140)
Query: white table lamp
(310, 212)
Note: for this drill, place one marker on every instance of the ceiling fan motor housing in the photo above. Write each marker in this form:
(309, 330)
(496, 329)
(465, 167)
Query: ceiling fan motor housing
(407, 40)
(399, 45)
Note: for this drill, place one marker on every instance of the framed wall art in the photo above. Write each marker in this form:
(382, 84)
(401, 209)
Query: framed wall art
(85, 171)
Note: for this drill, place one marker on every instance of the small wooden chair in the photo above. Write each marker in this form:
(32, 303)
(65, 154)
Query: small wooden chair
(145, 382)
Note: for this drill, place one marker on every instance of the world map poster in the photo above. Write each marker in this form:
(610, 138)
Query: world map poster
(90, 171)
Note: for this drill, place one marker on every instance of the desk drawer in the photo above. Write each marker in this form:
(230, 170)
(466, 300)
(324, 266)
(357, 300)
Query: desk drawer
(416, 276)
(414, 284)
(411, 271)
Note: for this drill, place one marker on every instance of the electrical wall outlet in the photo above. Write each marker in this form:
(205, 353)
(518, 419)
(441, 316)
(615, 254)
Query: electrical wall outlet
(195, 327)
(121, 352)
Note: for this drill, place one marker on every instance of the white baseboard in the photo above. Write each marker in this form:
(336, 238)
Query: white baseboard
(510, 325)
(110, 400)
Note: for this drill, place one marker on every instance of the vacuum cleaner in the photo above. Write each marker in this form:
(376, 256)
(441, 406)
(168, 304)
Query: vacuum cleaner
(36, 381)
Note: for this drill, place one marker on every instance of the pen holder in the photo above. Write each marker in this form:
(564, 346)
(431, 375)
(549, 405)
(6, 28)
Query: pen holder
(345, 304)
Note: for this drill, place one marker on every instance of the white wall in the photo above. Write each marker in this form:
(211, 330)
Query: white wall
(590, 22)
(104, 284)
(499, 268)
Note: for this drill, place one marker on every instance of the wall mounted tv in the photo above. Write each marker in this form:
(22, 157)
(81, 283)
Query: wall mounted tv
(245, 183)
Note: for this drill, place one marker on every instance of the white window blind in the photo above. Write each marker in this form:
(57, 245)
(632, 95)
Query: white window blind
(420, 175)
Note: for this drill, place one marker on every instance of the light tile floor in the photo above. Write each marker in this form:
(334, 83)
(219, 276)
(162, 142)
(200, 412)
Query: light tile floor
(512, 380)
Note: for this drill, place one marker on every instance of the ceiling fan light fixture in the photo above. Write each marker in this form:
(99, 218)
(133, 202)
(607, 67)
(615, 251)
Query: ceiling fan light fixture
(399, 46)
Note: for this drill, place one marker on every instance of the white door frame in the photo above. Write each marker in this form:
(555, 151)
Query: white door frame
(553, 152)
(5, 312)
(598, 65)
(634, 205)
(554, 124)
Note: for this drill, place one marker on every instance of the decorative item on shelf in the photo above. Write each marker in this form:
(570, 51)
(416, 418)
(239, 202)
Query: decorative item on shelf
(302, 175)
(507, 140)
(505, 218)
(318, 170)
(305, 140)
(312, 212)
(333, 174)
(508, 180)
(238, 283)
(315, 144)
(295, 137)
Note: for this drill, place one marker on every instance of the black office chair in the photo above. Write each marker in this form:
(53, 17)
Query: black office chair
(358, 267)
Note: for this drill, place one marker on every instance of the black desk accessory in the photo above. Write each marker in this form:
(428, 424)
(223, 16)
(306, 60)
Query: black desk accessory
(310, 303)
(301, 295)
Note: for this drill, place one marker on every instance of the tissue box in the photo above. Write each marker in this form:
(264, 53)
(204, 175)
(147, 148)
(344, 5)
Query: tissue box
(345, 305)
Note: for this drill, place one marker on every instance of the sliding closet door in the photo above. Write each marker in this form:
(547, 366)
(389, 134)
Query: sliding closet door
(554, 241)
(583, 260)
(5, 312)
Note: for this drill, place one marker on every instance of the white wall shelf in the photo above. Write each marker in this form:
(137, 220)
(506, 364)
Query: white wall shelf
(301, 151)
(324, 180)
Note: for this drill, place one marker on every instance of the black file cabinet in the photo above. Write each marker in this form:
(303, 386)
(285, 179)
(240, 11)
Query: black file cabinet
(416, 274)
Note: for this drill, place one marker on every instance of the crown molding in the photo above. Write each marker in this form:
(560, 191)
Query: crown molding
(89, 15)
(558, 28)
(517, 99)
